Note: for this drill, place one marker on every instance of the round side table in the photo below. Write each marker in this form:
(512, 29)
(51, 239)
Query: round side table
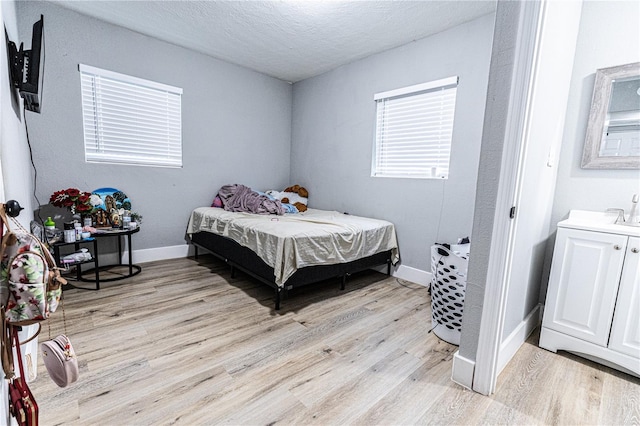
(120, 234)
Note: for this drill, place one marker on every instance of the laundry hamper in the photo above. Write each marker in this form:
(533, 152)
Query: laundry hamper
(448, 286)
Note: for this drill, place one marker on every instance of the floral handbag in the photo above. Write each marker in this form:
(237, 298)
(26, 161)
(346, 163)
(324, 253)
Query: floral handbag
(29, 279)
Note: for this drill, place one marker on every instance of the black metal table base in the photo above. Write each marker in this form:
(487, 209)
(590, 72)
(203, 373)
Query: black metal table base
(133, 270)
(78, 265)
(98, 269)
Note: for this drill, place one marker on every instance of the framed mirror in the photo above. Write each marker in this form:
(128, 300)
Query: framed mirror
(613, 131)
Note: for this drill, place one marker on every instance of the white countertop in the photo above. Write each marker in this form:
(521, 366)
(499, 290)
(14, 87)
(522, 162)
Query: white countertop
(598, 221)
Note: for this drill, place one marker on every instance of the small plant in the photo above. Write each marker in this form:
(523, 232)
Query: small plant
(136, 217)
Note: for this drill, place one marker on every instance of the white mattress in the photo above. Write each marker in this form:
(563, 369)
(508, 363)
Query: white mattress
(293, 241)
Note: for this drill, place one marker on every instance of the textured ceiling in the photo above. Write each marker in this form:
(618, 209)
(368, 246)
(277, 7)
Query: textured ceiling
(289, 40)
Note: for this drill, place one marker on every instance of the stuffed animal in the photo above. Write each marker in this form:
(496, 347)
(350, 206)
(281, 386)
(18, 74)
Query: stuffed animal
(296, 195)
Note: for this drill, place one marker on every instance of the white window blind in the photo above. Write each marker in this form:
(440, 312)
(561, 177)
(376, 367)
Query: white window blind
(128, 120)
(414, 127)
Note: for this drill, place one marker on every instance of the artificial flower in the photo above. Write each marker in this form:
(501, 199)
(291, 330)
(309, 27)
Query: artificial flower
(72, 198)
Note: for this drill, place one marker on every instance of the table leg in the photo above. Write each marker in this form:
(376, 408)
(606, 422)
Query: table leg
(119, 250)
(76, 247)
(56, 255)
(133, 269)
(95, 255)
(130, 254)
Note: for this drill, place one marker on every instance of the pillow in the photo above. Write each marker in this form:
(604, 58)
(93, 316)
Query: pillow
(289, 208)
(217, 202)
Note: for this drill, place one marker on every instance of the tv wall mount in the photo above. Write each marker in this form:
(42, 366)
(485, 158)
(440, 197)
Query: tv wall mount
(25, 67)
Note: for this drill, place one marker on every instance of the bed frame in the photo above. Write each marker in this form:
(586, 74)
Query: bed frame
(244, 259)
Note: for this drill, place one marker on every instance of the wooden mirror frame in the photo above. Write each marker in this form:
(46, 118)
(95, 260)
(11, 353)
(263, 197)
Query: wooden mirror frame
(597, 116)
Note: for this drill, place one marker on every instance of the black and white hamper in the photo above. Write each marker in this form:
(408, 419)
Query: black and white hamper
(448, 285)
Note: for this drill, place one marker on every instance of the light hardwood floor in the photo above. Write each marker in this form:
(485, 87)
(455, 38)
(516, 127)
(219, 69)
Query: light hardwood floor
(184, 343)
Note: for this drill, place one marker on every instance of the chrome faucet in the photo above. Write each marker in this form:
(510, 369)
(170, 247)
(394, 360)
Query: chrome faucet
(620, 218)
(634, 214)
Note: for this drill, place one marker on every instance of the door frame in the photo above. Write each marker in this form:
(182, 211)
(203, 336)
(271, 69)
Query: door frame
(547, 34)
(509, 188)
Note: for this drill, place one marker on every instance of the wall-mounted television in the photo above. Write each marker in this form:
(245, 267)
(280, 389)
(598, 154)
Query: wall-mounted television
(26, 67)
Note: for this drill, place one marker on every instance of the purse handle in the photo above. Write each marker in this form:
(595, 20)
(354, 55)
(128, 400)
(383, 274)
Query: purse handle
(7, 348)
(7, 351)
(64, 321)
(3, 220)
(18, 352)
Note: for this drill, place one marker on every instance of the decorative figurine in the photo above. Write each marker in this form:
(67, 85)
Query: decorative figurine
(100, 219)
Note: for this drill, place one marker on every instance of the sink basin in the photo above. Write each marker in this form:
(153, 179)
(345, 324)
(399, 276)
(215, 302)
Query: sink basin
(599, 221)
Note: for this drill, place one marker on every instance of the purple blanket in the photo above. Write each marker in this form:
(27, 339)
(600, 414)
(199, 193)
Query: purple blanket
(240, 198)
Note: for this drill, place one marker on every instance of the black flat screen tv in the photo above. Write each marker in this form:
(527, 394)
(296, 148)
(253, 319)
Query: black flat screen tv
(27, 67)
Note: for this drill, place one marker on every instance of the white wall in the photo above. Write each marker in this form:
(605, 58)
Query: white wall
(236, 123)
(14, 158)
(333, 133)
(603, 25)
(542, 139)
(608, 36)
(14, 151)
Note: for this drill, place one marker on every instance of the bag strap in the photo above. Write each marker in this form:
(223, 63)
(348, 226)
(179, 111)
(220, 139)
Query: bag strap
(3, 220)
(34, 334)
(64, 319)
(3, 214)
(18, 352)
(7, 351)
(46, 254)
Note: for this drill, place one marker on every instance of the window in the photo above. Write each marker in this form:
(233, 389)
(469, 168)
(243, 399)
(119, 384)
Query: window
(414, 126)
(128, 120)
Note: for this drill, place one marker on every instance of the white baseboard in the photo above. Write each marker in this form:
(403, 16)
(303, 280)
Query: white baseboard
(511, 344)
(462, 371)
(149, 255)
(162, 253)
(408, 273)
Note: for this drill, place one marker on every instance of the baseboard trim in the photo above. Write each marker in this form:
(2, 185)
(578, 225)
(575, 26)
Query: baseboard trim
(462, 371)
(408, 273)
(163, 253)
(150, 255)
(511, 344)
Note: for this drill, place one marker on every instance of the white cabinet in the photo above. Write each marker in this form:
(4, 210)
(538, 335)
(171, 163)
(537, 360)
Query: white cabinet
(625, 330)
(593, 299)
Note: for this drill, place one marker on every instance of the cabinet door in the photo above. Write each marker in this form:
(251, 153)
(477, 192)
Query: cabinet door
(585, 273)
(625, 331)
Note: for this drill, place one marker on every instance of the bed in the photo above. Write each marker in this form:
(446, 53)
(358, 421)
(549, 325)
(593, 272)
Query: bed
(293, 250)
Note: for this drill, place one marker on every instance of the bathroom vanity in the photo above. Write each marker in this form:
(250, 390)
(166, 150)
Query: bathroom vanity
(593, 300)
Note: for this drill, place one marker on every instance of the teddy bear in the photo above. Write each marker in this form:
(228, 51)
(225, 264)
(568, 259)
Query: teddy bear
(296, 195)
